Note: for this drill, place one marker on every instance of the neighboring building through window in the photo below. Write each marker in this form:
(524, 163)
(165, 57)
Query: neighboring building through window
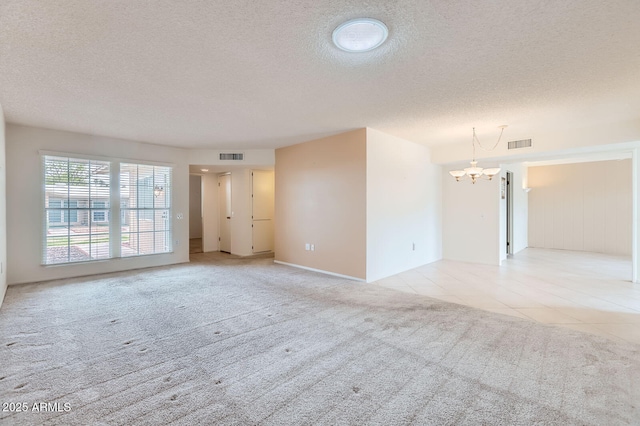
(99, 215)
(78, 219)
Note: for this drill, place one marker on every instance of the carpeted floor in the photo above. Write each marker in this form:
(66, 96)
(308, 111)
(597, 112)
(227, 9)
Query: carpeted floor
(245, 341)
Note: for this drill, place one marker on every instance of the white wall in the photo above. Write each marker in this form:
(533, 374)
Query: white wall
(3, 211)
(195, 206)
(210, 214)
(520, 210)
(471, 219)
(582, 206)
(24, 199)
(403, 206)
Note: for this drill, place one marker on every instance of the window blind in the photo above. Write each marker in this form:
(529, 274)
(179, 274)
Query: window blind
(145, 200)
(72, 186)
(78, 216)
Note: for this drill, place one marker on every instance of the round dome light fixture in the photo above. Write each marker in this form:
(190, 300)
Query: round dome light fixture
(360, 35)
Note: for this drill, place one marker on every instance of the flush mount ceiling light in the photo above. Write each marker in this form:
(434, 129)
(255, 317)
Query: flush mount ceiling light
(474, 172)
(360, 35)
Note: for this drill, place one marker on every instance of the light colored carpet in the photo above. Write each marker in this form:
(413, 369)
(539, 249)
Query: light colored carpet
(244, 341)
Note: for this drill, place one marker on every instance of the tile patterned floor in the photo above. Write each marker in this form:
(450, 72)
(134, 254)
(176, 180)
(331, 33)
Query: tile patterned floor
(195, 245)
(591, 292)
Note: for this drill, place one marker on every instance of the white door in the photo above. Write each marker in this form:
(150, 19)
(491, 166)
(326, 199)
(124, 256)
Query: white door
(224, 198)
(262, 196)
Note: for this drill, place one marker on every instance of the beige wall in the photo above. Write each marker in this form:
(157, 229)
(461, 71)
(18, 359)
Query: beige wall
(321, 200)
(582, 206)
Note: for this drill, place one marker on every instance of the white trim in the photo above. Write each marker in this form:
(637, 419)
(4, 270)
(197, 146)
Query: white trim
(349, 277)
(635, 215)
(44, 222)
(112, 214)
(103, 158)
(115, 226)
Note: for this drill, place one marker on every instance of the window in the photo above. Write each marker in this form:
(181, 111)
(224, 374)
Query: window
(145, 198)
(70, 234)
(78, 215)
(99, 215)
(55, 212)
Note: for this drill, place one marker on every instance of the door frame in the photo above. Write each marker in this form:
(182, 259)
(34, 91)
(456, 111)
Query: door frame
(509, 213)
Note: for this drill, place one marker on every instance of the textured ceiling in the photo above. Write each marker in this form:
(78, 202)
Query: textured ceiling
(251, 74)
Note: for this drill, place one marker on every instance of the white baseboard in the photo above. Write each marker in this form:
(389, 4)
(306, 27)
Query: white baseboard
(320, 270)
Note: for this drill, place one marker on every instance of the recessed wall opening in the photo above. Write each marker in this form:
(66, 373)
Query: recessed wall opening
(234, 214)
(195, 214)
(583, 206)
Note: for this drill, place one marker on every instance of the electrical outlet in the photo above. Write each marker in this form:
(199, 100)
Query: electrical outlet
(179, 216)
(313, 247)
(177, 243)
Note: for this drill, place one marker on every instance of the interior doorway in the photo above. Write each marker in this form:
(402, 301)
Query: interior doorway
(509, 213)
(195, 214)
(225, 213)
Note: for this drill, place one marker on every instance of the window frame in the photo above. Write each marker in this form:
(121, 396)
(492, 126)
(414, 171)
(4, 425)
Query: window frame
(149, 212)
(113, 213)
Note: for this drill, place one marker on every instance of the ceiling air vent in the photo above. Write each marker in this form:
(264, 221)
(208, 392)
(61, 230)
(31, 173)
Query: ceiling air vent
(523, 143)
(233, 156)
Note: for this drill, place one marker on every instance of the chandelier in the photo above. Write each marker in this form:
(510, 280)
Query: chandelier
(474, 172)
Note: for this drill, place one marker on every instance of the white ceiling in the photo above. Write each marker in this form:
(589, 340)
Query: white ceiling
(264, 74)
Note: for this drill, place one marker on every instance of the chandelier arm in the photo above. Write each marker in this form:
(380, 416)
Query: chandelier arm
(475, 173)
(473, 145)
(475, 138)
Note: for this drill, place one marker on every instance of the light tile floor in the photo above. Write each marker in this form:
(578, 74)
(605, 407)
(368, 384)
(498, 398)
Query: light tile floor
(195, 245)
(590, 292)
